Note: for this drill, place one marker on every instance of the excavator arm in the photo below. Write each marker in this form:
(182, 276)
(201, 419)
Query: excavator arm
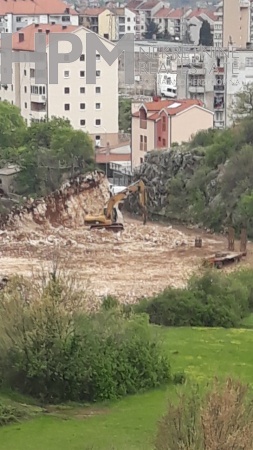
(108, 219)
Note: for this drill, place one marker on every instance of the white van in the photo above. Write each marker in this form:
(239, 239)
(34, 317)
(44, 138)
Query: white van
(168, 91)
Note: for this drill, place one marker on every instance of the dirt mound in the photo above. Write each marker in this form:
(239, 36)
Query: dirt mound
(84, 194)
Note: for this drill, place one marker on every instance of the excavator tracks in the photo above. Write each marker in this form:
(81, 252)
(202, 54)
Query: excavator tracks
(115, 227)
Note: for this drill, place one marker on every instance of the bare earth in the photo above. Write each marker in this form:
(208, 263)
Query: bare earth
(138, 262)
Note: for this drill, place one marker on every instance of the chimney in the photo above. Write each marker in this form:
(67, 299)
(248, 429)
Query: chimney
(36, 25)
(156, 99)
(39, 30)
(47, 31)
(67, 10)
(21, 37)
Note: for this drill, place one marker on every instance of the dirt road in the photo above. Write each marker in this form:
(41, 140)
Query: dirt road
(138, 262)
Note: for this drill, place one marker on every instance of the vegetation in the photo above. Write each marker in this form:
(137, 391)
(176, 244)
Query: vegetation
(222, 420)
(45, 152)
(125, 119)
(54, 351)
(212, 300)
(131, 422)
(205, 34)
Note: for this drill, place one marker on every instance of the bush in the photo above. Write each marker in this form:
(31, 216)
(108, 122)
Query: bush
(52, 350)
(221, 420)
(110, 302)
(212, 300)
(10, 414)
(179, 378)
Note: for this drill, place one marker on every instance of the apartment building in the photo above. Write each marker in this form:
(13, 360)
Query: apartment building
(215, 79)
(91, 108)
(17, 14)
(110, 23)
(160, 123)
(233, 23)
(195, 21)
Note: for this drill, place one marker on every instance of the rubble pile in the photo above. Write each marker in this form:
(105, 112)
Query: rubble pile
(67, 206)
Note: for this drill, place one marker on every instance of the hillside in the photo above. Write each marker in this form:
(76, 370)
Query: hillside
(207, 182)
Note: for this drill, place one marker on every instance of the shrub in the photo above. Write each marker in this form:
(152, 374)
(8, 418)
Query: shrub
(52, 350)
(110, 302)
(211, 300)
(10, 414)
(203, 138)
(179, 378)
(221, 420)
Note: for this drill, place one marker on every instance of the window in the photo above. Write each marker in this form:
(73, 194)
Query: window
(141, 142)
(98, 105)
(66, 73)
(249, 62)
(25, 72)
(164, 124)
(82, 90)
(164, 142)
(25, 89)
(145, 143)
(25, 105)
(97, 57)
(97, 138)
(128, 28)
(65, 18)
(98, 122)
(82, 122)
(98, 73)
(82, 105)
(141, 160)
(67, 106)
(82, 73)
(66, 90)
(98, 90)
(82, 58)
(32, 73)
(18, 19)
(128, 19)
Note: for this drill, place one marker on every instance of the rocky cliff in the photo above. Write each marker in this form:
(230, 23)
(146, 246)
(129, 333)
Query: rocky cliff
(85, 194)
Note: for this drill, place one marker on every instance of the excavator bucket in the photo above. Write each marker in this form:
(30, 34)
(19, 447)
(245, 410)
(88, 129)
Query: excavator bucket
(115, 227)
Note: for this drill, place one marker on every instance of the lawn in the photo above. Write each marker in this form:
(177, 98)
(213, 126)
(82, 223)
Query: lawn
(129, 424)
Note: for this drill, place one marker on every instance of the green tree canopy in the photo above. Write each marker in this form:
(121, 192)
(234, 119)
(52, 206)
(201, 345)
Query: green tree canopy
(205, 34)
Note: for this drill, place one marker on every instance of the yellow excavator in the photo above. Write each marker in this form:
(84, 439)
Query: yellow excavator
(112, 218)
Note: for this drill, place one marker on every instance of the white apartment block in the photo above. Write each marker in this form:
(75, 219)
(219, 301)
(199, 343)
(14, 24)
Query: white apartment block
(91, 108)
(215, 79)
(233, 23)
(17, 14)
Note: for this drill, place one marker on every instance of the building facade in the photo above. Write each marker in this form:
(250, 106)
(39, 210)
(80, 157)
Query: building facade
(86, 106)
(233, 23)
(158, 124)
(17, 14)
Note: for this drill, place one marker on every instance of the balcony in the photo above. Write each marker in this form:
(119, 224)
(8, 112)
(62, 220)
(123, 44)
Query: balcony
(219, 123)
(219, 70)
(143, 124)
(219, 88)
(37, 98)
(218, 103)
(197, 71)
(38, 115)
(196, 89)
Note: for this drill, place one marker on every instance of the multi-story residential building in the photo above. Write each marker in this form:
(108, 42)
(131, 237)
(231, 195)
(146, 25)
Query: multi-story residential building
(162, 19)
(85, 105)
(16, 14)
(110, 23)
(215, 80)
(177, 22)
(159, 124)
(195, 21)
(233, 23)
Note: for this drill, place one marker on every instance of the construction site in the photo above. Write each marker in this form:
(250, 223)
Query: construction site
(131, 262)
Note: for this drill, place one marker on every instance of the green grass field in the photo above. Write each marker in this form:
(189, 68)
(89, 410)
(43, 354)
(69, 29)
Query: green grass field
(129, 424)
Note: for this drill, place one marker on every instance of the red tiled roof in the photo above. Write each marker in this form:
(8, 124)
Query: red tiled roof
(134, 4)
(92, 12)
(157, 107)
(197, 12)
(34, 7)
(177, 13)
(102, 158)
(149, 5)
(28, 43)
(163, 12)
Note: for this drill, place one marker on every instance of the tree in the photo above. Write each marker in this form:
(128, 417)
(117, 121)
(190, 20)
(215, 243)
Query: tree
(205, 34)
(243, 104)
(12, 127)
(187, 35)
(153, 29)
(125, 114)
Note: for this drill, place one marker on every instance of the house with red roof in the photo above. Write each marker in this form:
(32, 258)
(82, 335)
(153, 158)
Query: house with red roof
(17, 14)
(195, 21)
(160, 123)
